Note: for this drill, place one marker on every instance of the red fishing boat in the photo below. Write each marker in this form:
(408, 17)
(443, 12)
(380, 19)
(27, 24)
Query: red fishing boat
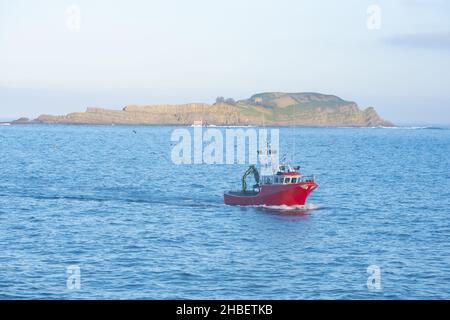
(283, 185)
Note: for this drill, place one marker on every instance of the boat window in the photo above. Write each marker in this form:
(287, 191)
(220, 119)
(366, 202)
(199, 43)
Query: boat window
(287, 180)
(294, 180)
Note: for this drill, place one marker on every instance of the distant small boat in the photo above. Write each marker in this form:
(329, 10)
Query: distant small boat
(5, 124)
(284, 185)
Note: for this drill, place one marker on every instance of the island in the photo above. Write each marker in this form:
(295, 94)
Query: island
(270, 108)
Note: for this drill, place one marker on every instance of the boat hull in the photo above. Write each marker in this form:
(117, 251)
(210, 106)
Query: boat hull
(273, 195)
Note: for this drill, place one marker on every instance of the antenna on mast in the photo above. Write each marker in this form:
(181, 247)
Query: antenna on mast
(293, 135)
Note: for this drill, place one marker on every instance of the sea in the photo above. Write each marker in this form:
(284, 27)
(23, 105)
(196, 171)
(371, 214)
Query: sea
(103, 212)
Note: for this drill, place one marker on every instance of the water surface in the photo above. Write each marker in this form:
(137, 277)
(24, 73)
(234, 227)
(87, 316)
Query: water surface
(108, 199)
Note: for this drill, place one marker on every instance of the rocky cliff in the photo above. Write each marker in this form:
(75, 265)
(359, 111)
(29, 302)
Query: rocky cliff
(274, 108)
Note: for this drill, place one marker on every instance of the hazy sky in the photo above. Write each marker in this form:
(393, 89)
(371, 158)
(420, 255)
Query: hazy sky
(171, 51)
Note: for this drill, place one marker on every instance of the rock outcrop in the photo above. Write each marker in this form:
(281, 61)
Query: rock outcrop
(22, 120)
(275, 108)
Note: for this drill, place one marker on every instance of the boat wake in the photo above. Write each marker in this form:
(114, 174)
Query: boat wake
(306, 207)
(284, 210)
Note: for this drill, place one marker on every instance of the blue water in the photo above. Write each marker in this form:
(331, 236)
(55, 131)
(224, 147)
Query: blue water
(108, 199)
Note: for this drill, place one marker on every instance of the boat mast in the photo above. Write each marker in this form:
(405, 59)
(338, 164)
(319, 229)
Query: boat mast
(268, 160)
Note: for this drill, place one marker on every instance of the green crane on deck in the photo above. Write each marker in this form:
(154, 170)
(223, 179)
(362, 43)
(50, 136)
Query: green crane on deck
(250, 170)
